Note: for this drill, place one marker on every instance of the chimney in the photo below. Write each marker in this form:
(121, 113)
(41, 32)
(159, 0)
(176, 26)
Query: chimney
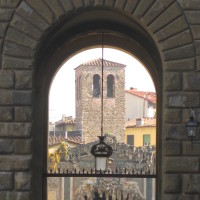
(132, 88)
(139, 122)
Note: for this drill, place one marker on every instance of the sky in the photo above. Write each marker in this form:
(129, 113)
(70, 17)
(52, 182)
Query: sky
(62, 91)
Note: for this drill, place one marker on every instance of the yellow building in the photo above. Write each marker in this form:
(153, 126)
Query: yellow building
(141, 132)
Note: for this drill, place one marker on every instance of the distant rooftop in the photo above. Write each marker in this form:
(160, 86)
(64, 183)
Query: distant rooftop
(98, 62)
(149, 96)
(58, 139)
(141, 122)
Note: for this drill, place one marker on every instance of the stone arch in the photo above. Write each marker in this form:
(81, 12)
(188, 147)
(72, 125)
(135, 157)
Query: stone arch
(162, 24)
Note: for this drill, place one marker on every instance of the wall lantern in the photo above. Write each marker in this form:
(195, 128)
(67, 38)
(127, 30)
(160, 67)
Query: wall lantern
(101, 151)
(191, 127)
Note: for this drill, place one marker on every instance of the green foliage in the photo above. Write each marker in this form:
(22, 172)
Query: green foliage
(61, 154)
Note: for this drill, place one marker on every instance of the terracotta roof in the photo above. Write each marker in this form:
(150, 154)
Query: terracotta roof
(67, 121)
(149, 96)
(98, 62)
(144, 122)
(59, 139)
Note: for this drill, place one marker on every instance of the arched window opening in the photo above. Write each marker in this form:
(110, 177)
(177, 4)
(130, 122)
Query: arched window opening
(129, 124)
(96, 85)
(110, 86)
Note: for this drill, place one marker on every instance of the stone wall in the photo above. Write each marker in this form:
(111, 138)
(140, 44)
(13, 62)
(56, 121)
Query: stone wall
(25, 25)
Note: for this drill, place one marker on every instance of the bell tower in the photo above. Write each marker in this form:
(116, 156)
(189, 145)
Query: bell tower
(88, 99)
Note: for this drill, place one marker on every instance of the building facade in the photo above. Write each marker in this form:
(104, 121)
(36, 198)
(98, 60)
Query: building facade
(88, 77)
(140, 104)
(141, 132)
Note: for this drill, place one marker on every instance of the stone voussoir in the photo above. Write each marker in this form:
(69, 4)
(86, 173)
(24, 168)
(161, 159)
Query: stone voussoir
(16, 50)
(42, 9)
(155, 10)
(191, 4)
(165, 18)
(172, 29)
(178, 40)
(22, 25)
(5, 14)
(193, 17)
(187, 51)
(27, 12)
(180, 65)
(55, 7)
(20, 38)
(9, 3)
(9, 62)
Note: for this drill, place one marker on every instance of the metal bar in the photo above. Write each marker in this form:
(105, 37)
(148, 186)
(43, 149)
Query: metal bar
(101, 175)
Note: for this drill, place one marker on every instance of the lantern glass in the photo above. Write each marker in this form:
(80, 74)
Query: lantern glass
(101, 163)
(191, 131)
(101, 152)
(191, 127)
